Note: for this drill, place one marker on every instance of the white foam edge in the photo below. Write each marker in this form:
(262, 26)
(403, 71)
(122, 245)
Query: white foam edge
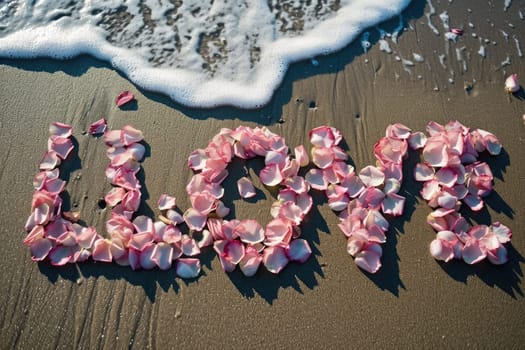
(195, 89)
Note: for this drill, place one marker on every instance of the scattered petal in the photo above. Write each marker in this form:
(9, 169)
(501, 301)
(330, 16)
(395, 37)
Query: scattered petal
(123, 98)
(245, 187)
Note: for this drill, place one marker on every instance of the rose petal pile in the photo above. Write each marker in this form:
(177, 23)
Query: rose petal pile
(451, 175)
(362, 198)
(137, 242)
(245, 242)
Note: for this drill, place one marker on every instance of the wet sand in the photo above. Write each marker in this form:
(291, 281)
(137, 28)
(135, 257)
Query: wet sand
(413, 302)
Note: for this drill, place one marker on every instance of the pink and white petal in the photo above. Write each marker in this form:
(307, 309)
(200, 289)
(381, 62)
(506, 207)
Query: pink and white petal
(277, 231)
(139, 241)
(391, 186)
(188, 267)
(374, 217)
(441, 250)
(226, 264)
(98, 127)
(174, 216)
(54, 186)
(446, 200)
(58, 129)
(206, 239)
(136, 151)
(305, 202)
(195, 220)
(271, 175)
(102, 250)
(338, 204)
(370, 258)
(133, 259)
(446, 177)
(60, 255)
(234, 251)
(297, 184)
(393, 204)
(316, 179)
(146, 257)
(322, 136)
(430, 190)
(274, 258)
(40, 248)
(322, 157)
(301, 155)
(166, 202)
(423, 172)
(49, 161)
(112, 138)
(203, 202)
(222, 210)
(144, 224)
(435, 153)
(163, 255)
(130, 135)
(251, 232)
(250, 262)
(197, 160)
(354, 186)
(474, 202)
(398, 131)
(472, 252)
(189, 246)
(502, 232)
(371, 176)
(114, 196)
(277, 158)
(355, 244)
(417, 140)
(299, 251)
(245, 187)
(498, 256)
(376, 234)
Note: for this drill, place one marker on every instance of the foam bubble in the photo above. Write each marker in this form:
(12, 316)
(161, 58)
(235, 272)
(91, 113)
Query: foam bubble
(200, 53)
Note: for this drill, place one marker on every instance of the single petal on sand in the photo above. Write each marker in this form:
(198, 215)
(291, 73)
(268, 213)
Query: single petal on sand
(245, 187)
(123, 98)
(98, 127)
(166, 202)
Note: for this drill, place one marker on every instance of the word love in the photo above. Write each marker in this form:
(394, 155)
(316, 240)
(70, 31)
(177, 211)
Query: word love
(364, 201)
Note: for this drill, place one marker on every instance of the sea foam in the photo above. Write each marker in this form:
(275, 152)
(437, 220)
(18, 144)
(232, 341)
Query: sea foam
(200, 53)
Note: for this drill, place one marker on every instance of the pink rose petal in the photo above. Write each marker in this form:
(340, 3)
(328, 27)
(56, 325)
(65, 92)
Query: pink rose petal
(194, 219)
(188, 267)
(271, 175)
(58, 129)
(166, 202)
(245, 187)
(102, 250)
(40, 248)
(98, 127)
(274, 258)
(371, 176)
(299, 251)
(250, 262)
(123, 98)
(163, 255)
(370, 258)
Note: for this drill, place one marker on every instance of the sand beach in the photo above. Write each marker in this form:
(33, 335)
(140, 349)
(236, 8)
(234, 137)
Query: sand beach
(413, 302)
